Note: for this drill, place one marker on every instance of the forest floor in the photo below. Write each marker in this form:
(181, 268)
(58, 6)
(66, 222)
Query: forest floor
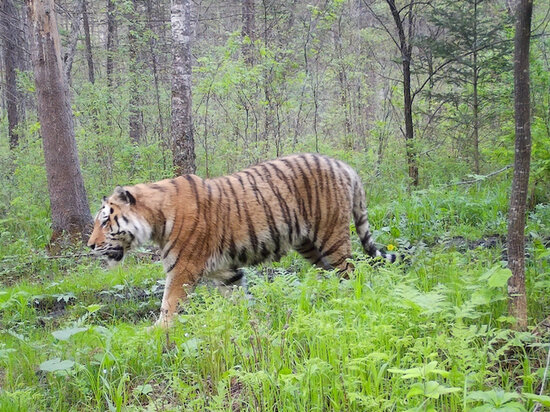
(430, 333)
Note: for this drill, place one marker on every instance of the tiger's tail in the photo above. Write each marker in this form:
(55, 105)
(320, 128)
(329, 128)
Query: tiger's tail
(362, 223)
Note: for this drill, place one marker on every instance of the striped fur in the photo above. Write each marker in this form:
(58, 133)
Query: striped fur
(210, 228)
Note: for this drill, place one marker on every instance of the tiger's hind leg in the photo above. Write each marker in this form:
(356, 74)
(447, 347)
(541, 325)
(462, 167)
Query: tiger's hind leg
(336, 253)
(333, 255)
(311, 253)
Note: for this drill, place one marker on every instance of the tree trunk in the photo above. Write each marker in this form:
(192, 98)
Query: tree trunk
(73, 40)
(248, 30)
(111, 28)
(135, 118)
(68, 202)
(406, 54)
(9, 18)
(475, 97)
(154, 63)
(183, 145)
(517, 304)
(89, 56)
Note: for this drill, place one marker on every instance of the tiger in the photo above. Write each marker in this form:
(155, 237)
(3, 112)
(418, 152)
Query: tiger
(212, 228)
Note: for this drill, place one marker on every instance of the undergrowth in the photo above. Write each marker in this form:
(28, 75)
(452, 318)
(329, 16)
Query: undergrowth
(431, 333)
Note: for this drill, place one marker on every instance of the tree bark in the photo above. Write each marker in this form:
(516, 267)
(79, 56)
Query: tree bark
(9, 18)
(405, 47)
(517, 304)
(183, 145)
(154, 64)
(69, 205)
(135, 118)
(111, 29)
(249, 30)
(73, 40)
(89, 56)
(475, 85)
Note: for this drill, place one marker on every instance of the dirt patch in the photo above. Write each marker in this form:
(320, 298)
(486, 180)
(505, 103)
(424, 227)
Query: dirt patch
(236, 389)
(54, 305)
(463, 244)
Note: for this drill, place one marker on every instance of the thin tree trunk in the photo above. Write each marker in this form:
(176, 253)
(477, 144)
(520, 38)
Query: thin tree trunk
(111, 28)
(154, 62)
(89, 56)
(517, 304)
(476, 101)
(183, 145)
(249, 30)
(342, 80)
(9, 19)
(73, 40)
(135, 116)
(406, 53)
(68, 202)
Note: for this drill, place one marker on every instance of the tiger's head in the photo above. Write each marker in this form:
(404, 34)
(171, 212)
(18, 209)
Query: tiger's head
(118, 226)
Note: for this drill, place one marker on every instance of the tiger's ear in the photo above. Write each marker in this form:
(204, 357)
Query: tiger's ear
(124, 196)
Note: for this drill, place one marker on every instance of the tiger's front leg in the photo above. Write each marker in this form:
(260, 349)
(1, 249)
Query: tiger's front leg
(180, 280)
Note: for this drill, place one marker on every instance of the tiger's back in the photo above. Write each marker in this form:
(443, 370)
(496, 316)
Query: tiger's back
(212, 227)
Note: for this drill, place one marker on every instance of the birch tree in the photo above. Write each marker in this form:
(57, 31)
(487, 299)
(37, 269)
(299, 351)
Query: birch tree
(183, 146)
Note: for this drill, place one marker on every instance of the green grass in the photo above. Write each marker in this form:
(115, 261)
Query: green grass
(429, 334)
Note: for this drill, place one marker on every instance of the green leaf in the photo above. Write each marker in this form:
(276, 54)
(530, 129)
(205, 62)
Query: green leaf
(56, 364)
(499, 278)
(430, 389)
(542, 399)
(65, 334)
(93, 307)
(143, 389)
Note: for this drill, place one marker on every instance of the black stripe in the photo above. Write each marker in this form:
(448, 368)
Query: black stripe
(242, 256)
(253, 185)
(158, 187)
(264, 251)
(235, 197)
(232, 248)
(361, 220)
(192, 230)
(340, 261)
(285, 210)
(333, 249)
(175, 184)
(239, 274)
(308, 192)
(251, 231)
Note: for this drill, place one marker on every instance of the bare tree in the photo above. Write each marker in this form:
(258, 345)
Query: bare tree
(404, 25)
(404, 21)
(135, 117)
(73, 40)
(111, 33)
(516, 217)
(69, 205)
(9, 18)
(89, 56)
(249, 30)
(183, 145)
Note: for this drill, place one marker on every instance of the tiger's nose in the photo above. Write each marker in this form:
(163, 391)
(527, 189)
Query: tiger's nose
(92, 246)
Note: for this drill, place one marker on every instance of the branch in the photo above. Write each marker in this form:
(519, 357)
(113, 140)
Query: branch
(382, 24)
(481, 178)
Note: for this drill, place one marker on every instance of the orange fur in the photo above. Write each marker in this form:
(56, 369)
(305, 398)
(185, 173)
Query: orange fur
(210, 228)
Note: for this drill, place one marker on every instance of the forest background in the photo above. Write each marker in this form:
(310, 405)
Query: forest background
(271, 78)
